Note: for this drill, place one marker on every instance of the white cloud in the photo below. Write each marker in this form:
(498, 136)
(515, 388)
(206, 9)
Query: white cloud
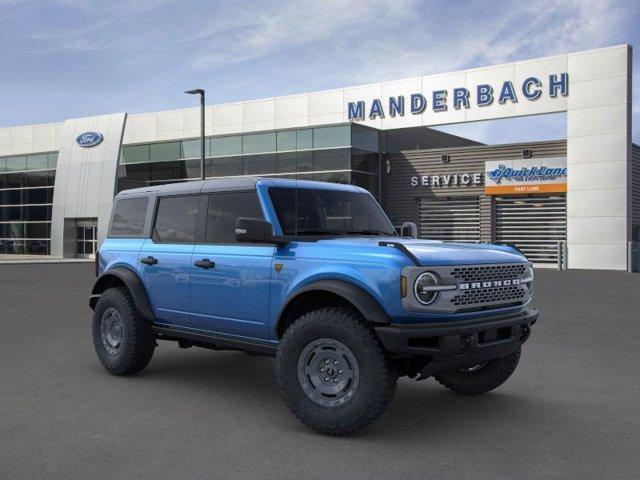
(275, 47)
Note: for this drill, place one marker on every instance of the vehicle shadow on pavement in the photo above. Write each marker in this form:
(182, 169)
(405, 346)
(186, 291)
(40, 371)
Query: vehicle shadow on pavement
(248, 383)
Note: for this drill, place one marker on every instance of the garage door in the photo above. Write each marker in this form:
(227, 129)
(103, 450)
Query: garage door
(453, 219)
(534, 224)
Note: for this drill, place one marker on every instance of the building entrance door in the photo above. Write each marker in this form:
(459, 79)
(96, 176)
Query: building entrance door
(86, 238)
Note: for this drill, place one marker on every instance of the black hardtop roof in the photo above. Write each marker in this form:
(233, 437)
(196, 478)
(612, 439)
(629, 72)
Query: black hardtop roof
(199, 186)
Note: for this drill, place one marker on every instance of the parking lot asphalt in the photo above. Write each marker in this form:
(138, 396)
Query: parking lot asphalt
(571, 410)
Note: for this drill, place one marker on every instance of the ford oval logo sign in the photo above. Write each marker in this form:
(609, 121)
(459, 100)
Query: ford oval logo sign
(89, 139)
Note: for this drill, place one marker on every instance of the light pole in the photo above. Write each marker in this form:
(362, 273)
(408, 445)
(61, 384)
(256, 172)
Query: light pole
(200, 92)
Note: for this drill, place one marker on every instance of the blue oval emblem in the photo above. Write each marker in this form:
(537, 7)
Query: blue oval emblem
(89, 139)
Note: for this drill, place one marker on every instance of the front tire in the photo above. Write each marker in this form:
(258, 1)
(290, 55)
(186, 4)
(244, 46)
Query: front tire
(480, 378)
(332, 372)
(122, 339)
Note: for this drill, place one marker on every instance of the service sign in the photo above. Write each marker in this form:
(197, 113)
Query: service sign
(523, 176)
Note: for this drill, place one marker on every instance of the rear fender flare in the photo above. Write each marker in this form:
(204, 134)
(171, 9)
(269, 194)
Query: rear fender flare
(133, 284)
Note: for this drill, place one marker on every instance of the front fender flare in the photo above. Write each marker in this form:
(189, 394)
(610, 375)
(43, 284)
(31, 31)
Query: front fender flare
(133, 284)
(369, 307)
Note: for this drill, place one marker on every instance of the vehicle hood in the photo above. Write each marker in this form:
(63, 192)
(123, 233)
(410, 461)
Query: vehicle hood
(434, 252)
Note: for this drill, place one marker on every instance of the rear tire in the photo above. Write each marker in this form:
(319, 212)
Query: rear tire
(482, 378)
(333, 373)
(122, 339)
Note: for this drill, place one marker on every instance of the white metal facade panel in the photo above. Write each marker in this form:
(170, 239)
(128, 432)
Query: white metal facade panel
(85, 177)
(30, 139)
(599, 112)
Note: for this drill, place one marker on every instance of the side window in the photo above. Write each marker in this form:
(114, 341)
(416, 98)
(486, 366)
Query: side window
(128, 217)
(224, 210)
(176, 219)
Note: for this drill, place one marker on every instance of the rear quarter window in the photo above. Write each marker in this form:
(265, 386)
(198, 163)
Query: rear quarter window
(128, 217)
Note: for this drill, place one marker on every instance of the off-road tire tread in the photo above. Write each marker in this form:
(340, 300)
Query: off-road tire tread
(141, 337)
(386, 373)
(469, 384)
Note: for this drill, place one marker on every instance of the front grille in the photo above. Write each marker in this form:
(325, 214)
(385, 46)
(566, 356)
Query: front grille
(481, 273)
(496, 295)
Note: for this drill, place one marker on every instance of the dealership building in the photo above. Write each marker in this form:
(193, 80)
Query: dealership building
(573, 202)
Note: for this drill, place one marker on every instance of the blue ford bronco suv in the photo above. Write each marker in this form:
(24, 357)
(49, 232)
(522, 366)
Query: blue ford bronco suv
(315, 274)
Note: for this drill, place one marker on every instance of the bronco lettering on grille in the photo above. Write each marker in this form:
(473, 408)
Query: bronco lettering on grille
(493, 283)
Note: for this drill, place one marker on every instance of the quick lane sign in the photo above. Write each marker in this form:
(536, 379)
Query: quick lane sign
(482, 95)
(543, 175)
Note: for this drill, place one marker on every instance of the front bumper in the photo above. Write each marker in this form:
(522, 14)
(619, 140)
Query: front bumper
(445, 346)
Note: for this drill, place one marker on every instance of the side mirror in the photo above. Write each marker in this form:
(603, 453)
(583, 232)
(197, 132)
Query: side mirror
(253, 230)
(409, 229)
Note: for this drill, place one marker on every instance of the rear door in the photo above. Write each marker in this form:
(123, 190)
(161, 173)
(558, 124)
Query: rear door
(230, 281)
(165, 258)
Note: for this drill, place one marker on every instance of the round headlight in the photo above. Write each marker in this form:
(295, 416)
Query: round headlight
(423, 288)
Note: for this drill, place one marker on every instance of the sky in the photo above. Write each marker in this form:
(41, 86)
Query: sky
(74, 58)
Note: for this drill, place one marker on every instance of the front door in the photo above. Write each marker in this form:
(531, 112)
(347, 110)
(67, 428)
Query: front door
(165, 259)
(230, 282)
(86, 238)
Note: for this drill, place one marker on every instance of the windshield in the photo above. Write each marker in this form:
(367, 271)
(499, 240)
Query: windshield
(306, 211)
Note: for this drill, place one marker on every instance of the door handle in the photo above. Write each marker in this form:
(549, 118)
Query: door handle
(149, 260)
(205, 263)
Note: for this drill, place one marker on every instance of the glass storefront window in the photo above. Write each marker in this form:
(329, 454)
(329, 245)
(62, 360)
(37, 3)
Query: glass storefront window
(135, 154)
(52, 160)
(338, 159)
(37, 230)
(167, 171)
(162, 152)
(137, 172)
(364, 161)
(12, 230)
(38, 162)
(26, 195)
(260, 164)
(364, 138)
(23, 163)
(287, 162)
(259, 143)
(334, 177)
(20, 213)
(305, 161)
(286, 141)
(192, 167)
(224, 146)
(191, 148)
(38, 179)
(328, 137)
(223, 166)
(304, 139)
(16, 164)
